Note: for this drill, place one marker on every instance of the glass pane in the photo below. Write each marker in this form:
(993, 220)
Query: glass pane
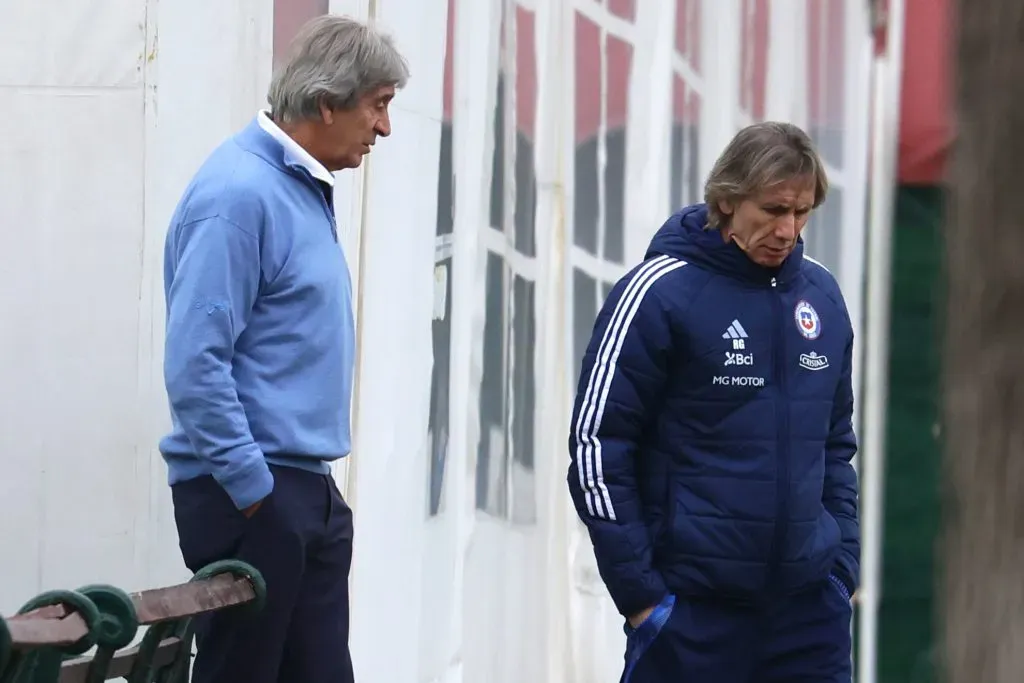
(826, 66)
(688, 18)
(491, 464)
(599, 203)
(623, 8)
(498, 159)
(620, 64)
(525, 176)
(824, 232)
(526, 103)
(584, 309)
(588, 121)
(684, 161)
(684, 170)
(440, 380)
(522, 399)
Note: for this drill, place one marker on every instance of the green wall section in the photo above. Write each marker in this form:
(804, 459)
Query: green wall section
(912, 448)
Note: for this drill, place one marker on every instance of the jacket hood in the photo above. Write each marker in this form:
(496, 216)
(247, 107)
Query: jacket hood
(683, 236)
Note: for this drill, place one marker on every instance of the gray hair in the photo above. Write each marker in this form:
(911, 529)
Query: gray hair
(333, 60)
(762, 156)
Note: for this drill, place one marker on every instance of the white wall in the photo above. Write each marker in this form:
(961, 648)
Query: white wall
(110, 108)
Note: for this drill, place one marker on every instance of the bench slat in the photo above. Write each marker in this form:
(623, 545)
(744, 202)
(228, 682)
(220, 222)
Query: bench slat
(189, 599)
(51, 625)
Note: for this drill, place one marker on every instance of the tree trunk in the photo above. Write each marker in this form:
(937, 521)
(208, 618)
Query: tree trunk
(983, 593)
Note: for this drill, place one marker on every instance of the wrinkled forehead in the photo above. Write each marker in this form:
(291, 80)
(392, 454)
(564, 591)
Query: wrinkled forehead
(790, 192)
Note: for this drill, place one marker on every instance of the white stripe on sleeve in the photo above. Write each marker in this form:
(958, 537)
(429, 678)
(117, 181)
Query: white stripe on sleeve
(588, 423)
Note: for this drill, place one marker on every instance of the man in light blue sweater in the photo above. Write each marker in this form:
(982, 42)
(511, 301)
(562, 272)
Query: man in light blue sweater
(259, 357)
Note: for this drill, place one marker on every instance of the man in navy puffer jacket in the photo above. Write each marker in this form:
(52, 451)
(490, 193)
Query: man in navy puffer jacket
(712, 435)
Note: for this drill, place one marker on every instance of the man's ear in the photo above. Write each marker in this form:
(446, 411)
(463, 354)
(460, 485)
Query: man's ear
(725, 208)
(326, 113)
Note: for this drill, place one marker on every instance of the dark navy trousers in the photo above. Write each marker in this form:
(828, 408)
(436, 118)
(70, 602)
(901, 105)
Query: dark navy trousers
(804, 638)
(301, 541)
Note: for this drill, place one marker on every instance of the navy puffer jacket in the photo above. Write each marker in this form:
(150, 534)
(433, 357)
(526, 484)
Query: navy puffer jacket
(712, 433)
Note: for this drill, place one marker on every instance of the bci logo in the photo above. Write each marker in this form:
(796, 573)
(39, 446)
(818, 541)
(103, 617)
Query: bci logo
(739, 358)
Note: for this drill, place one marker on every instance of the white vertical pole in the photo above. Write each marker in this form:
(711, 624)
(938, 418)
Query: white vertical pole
(551, 405)
(475, 75)
(349, 193)
(350, 196)
(856, 138)
(884, 147)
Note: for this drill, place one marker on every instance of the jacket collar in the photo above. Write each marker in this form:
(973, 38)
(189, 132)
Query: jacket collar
(266, 140)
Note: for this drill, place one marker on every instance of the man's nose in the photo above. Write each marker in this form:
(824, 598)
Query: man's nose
(785, 227)
(383, 126)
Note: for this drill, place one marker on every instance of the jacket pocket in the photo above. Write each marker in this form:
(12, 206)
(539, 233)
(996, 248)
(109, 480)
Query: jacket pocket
(836, 584)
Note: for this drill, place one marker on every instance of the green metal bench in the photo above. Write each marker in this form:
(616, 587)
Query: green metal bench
(46, 641)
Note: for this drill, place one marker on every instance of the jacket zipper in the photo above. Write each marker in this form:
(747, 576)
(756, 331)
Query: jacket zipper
(782, 449)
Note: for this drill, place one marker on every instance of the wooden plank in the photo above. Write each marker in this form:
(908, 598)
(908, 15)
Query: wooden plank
(76, 670)
(53, 625)
(189, 599)
(48, 612)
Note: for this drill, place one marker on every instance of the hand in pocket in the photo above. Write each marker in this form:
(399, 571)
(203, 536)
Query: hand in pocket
(251, 510)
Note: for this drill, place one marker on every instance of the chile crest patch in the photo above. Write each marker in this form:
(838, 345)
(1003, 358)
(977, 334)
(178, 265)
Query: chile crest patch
(807, 320)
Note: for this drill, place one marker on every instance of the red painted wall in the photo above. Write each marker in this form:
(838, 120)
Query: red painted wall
(926, 112)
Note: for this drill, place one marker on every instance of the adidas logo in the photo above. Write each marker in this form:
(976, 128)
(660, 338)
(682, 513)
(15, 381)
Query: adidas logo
(736, 332)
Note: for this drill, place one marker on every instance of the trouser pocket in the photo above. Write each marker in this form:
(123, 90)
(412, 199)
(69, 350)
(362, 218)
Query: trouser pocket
(210, 527)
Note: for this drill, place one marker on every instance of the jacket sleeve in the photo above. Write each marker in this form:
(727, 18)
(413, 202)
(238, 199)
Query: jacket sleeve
(840, 491)
(623, 374)
(212, 281)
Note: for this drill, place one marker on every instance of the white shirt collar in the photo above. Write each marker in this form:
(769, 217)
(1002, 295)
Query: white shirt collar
(294, 150)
